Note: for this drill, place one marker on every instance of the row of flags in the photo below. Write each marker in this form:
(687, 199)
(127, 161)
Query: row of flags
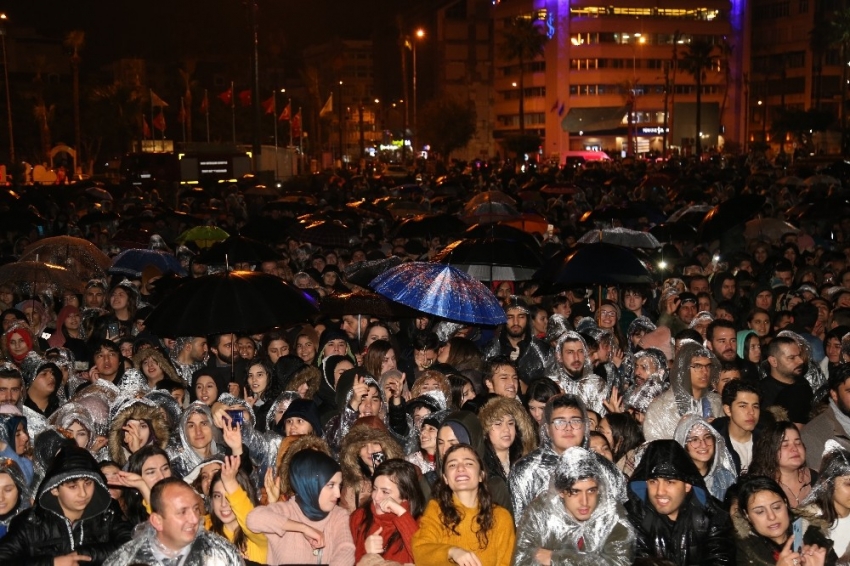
(227, 97)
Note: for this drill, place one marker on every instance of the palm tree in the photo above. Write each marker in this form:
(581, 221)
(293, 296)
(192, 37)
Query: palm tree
(523, 41)
(75, 41)
(186, 73)
(696, 61)
(628, 90)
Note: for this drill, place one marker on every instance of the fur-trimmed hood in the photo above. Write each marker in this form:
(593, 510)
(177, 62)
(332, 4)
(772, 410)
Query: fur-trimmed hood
(164, 363)
(289, 447)
(358, 436)
(498, 407)
(136, 410)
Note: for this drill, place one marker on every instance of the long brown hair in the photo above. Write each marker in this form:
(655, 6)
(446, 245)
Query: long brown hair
(444, 496)
(766, 450)
(240, 539)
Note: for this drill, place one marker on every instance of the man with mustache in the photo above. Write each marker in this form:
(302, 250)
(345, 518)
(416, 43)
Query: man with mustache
(516, 343)
(786, 385)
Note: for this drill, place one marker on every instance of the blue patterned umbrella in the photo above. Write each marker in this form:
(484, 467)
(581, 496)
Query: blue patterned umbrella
(132, 262)
(441, 290)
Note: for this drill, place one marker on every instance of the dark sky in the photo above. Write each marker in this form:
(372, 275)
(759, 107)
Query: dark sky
(164, 28)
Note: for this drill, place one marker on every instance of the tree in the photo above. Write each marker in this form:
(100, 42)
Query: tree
(523, 41)
(447, 124)
(697, 60)
(75, 41)
(628, 90)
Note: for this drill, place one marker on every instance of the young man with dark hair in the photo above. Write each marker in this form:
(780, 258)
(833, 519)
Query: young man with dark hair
(500, 377)
(721, 337)
(786, 385)
(742, 406)
(833, 422)
(74, 519)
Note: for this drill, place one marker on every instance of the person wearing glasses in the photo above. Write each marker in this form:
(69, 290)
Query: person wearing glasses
(709, 453)
(695, 368)
(567, 425)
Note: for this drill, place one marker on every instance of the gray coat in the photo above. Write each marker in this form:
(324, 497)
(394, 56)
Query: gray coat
(817, 431)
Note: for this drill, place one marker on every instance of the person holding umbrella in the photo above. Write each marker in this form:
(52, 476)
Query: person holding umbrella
(516, 342)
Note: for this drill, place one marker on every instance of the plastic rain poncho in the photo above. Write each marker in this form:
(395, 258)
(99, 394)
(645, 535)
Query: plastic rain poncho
(638, 397)
(722, 472)
(182, 456)
(606, 538)
(589, 387)
(207, 549)
(835, 464)
(664, 413)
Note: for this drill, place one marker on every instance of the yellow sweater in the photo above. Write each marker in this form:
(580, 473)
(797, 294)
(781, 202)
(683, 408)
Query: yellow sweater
(258, 544)
(432, 541)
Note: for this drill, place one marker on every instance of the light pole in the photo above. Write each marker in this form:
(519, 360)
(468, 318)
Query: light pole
(3, 20)
(341, 151)
(763, 121)
(420, 33)
(256, 129)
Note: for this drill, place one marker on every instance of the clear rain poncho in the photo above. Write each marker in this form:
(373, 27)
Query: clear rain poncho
(182, 456)
(722, 472)
(664, 413)
(638, 397)
(835, 464)
(589, 387)
(605, 539)
(814, 374)
(207, 549)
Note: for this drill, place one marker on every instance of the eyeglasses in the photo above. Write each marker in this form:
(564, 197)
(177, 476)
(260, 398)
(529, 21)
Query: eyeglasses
(607, 313)
(701, 367)
(695, 441)
(561, 424)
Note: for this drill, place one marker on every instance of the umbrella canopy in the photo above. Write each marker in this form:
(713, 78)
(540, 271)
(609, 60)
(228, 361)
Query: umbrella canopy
(441, 290)
(729, 214)
(769, 228)
(490, 212)
(363, 272)
(790, 181)
(98, 194)
(528, 222)
(822, 180)
(621, 237)
(674, 232)
(238, 249)
(203, 236)
(326, 234)
(261, 191)
(492, 259)
(599, 263)
(692, 214)
(369, 210)
(365, 303)
(429, 226)
(502, 231)
(36, 276)
(131, 238)
(237, 301)
(79, 256)
(558, 189)
(132, 262)
(489, 196)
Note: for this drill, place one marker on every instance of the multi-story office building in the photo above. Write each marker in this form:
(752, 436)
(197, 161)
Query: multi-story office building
(601, 54)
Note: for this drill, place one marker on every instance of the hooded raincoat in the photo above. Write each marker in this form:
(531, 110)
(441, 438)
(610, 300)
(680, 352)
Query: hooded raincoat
(721, 473)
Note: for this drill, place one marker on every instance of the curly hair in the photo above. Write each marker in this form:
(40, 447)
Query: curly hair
(450, 515)
(766, 450)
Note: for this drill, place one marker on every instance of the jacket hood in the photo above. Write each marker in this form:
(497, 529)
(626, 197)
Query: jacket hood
(471, 425)
(358, 436)
(282, 402)
(136, 409)
(571, 336)
(8, 426)
(167, 404)
(9, 466)
(71, 463)
(680, 376)
(740, 341)
(164, 363)
(71, 413)
(722, 471)
(639, 324)
(498, 407)
(191, 457)
(666, 459)
(445, 385)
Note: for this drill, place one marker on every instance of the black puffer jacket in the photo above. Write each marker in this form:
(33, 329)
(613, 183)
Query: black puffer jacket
(41, 533)
(702, 533)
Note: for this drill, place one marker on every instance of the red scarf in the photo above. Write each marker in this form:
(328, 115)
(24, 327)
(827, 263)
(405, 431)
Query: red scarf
(23, 333)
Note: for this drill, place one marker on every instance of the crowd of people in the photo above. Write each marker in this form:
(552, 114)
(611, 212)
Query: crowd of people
(702, 419)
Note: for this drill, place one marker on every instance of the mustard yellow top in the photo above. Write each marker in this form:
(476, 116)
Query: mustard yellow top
(432, 541)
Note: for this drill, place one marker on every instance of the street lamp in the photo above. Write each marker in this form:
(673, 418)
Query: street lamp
(763, 120)
(3, 20)
(420, 33)
(341, 151)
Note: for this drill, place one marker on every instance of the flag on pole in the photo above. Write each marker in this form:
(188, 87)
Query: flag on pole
(286, 114)
(205, 104)
(328, 108)
(181, 116)
(146, 130)
(268, 105)
(157, 101)
(245, 98)
(227, 96)
(296, 125)
(159, 122)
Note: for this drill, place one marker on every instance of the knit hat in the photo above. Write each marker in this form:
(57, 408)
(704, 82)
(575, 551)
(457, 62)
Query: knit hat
(305, 409)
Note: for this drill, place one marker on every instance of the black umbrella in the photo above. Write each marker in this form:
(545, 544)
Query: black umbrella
(492, 259)
(674, 232)
(502, 231)
(325, 233)
(364, 303)
(729, 214)
(238, 249)
(363, 272)
(600, 263)
(238, 301)
(425, 226)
